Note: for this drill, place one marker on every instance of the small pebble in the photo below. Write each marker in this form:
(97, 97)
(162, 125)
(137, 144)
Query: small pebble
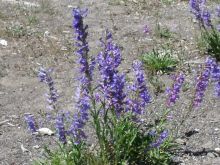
(3, 42)
(217, 150)
(36, 147)
(211, 155)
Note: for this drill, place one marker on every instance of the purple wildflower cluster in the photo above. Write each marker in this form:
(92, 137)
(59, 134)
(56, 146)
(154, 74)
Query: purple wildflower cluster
(60, 128)
(83, 48)
(146, 29)
(80, 118)
(197, 7)
(30, 122)
(52, 96)
(86, 68)
(215, 76)
(137, 104)
(112, 82)
(202, 82)
(173, 92)
(163, 136)
(218, 11)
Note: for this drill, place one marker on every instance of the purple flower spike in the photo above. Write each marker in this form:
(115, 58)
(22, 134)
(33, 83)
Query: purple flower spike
(146, 29)
(52, 96)
(215, 75)
(140, 82)
(81, 34)
(218, 27)
(197, 7)
(30, 122)
(218, 11)
(163, 136)
(215, 71)
(61, 129)
(80, 118)
(217, 89)
(112, 83)
(116, 94)
(142, 96)
(202, 82)
(173, 92)
(206, 16)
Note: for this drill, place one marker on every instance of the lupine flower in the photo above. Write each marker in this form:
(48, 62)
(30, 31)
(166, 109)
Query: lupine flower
(52, 96)
(80, 37)
(142, 98)
(217, 89)
(116, 94)
(197, 7)
(80, 118)
(30, 122)
(174, 91)
(218, 27)
(61, 129)
(202, 82)
(83, 105)
(152, 133)
(163, 136)
(218, 11)
(146, 29)
(206, 17)
(215, 75)
(112, 83)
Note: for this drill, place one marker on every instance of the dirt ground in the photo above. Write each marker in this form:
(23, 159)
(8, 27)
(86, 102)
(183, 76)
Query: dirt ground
(39, 33)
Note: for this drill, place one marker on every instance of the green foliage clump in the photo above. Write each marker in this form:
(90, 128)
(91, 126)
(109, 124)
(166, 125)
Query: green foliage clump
(159, 61)
(124, 142)
(210, 40)
(163, 32)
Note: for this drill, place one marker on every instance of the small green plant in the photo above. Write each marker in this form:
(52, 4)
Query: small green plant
(16, 31)
(159, 60)
(32, 20)
(162, 32)
(2, 16)
(210, 41)
(71, 155)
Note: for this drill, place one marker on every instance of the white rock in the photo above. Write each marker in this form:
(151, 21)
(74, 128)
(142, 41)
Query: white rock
(71, 6)
(36, 147)
(63, 48)
(3, 42)
(3, 122)
(46, 34)
(217, 150)
(45, 131)
(23, 149)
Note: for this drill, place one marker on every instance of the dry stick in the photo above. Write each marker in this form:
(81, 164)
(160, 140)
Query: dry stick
(3, 122)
